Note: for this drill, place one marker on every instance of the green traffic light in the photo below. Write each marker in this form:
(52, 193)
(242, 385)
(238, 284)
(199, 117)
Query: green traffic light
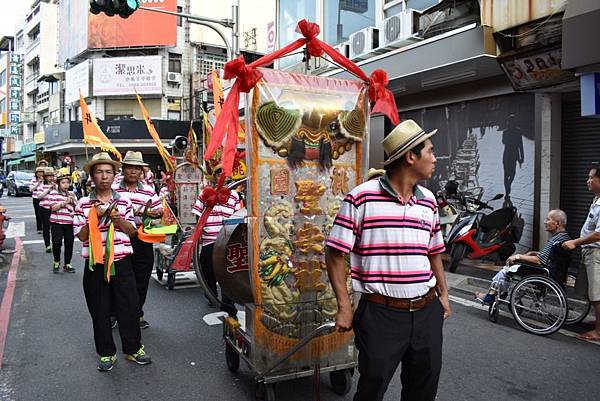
(133, 4)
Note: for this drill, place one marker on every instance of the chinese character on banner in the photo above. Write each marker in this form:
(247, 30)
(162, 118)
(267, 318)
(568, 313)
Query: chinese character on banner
(238, 256)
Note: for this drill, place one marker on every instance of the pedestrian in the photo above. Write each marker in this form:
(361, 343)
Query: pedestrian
(83, 180)
(106, 285)
(589, 241)
(76, 179)
(213, 226)
(35, 187)
(61, 202)
(391, 229)
(145, 204)
(148, 176)
(47, 187)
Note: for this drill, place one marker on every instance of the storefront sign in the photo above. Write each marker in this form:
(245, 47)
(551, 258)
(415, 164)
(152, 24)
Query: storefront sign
(271, 36)
(590, 95)
(538, 70)
(15, 84)
(77, 79)
(126, 75)
(39, 137)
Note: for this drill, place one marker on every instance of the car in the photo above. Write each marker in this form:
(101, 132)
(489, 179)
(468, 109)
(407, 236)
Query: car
(17, 182)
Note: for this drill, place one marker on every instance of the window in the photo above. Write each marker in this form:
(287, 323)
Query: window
(118, 117)
(3, 78)
(179, 19)
(290, 12)
(174, 62)
(343, 18)
(421, 5)
(174, 115)
(54, 87)
(2, 105)
(208, 61)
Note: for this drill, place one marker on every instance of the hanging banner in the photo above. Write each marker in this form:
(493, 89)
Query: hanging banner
(126, 75)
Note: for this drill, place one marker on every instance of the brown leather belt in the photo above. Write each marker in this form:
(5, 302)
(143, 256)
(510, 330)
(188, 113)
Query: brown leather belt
(407, 304)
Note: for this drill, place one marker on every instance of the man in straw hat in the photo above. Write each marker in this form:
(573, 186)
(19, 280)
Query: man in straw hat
(145, 203)
(104, 221)
(396, 265)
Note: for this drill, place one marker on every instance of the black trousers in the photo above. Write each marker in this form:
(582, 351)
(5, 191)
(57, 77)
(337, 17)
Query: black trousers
(62, 232)
(142, 261)
(206, 263)
(386, 337)
(121, 295)
(38, 215)
(45, 215)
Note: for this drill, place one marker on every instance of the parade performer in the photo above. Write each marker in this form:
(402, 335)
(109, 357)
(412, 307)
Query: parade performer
(48, 185)
(145, 204)
(104, 221)
(391, 229)
(61, 203)
(35, 187)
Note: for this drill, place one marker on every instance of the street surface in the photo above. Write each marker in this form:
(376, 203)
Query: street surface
(49, 353)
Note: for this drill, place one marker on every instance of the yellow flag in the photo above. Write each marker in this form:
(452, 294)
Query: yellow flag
(218, 96)
(92, 133)
(164, 153)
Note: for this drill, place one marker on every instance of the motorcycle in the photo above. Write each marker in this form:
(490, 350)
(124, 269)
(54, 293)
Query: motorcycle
(450, 204)
(476, 234)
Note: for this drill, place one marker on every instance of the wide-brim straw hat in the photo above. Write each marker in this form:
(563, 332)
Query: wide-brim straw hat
(49, 171)
(133, 158)
(63, 176)
(43, 161)
(101, 158)
(403, 138)
(38, 169)
(375, 172)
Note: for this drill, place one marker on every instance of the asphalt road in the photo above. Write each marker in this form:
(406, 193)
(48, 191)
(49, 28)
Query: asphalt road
(49, 353)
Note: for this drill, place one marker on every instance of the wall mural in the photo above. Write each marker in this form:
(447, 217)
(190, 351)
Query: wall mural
(488, 143)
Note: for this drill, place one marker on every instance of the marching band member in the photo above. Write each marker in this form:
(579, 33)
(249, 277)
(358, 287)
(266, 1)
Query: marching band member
(49, 185)
(35, 187)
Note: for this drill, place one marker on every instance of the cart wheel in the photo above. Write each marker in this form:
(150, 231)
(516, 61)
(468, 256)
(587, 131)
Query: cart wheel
(341, 381)
(232, 358)
(170, 280)
(493, 312)
(264, 392)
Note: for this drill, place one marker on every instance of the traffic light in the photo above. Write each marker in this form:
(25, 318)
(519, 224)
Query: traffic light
(122, 8)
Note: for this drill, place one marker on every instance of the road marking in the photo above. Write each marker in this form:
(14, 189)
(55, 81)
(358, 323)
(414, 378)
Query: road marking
(478, 305)
(7, 299)
(15, 229)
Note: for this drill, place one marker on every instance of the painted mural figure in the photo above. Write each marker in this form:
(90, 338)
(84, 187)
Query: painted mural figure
(512, 139)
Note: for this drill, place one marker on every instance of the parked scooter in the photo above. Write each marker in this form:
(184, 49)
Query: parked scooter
(476, 234)
(451, 204)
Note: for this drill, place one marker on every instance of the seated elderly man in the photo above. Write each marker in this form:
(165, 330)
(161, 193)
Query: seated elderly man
(554, 224)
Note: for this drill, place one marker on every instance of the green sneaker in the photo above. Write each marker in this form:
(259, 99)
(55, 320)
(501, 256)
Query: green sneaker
(48, 249)
(106, 363)
(68, 268)
(140, 357)
(55, 267)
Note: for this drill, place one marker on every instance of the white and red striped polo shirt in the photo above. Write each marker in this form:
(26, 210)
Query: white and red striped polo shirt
(34, 188)
(139, 197)
(215, 219)
(39, 193)
(64, 215)
(122, 244)
(389, 240)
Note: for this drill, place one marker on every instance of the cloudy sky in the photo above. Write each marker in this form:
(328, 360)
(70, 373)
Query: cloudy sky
(11, 12)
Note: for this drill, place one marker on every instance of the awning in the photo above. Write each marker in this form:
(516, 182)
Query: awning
(13, 162)
(27, 159)
(579, 33)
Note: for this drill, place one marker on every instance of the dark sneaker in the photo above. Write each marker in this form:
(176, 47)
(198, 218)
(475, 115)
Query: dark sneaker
(48, 249)
(106, 363)
(144, 324)
(113, 322)
(55, 267)
(39, 231)
(140, 357)
(68, 268)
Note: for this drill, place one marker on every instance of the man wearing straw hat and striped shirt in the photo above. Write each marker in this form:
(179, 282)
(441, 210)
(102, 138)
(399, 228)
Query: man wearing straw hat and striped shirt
(145, 203)
(104, 221)
(390, 227)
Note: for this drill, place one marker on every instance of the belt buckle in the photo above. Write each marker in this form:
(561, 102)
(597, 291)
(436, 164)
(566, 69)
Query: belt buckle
(411, 302)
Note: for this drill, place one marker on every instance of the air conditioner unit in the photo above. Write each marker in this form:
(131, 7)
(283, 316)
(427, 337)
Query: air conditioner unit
(364, 42)
(400, 29)
(343, 48)
(174, 77)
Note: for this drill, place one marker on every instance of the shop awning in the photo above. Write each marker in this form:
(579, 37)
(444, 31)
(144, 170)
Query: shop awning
(579, 33)
(27, 159)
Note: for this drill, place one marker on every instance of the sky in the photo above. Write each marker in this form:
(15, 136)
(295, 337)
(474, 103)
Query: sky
(12, 10)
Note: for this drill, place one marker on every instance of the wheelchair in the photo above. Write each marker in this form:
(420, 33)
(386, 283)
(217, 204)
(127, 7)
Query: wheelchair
(536, 295)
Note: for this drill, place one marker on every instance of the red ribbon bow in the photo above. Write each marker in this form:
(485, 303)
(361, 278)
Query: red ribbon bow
(382, 97)
(212, 197)
(310, 31)
(247, 76)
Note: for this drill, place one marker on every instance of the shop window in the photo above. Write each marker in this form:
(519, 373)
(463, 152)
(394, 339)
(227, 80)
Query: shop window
(343, 18)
